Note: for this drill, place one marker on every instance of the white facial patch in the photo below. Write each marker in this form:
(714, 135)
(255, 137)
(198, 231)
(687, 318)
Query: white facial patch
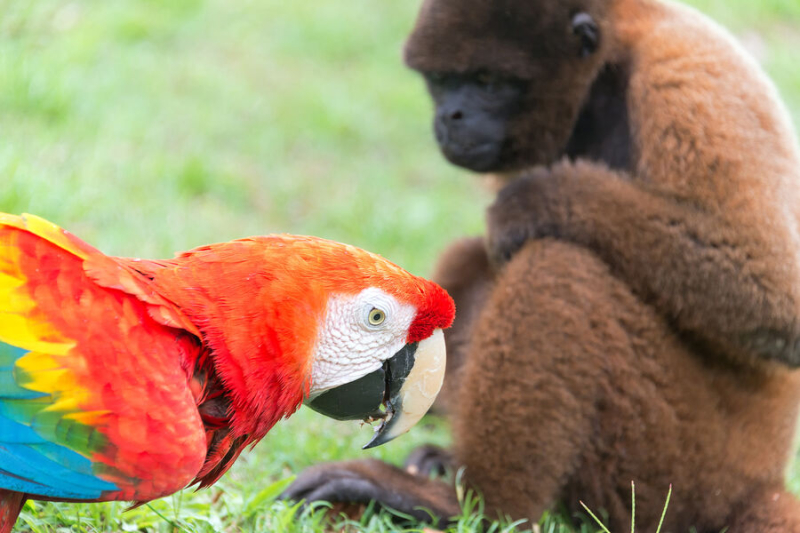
(349, 345)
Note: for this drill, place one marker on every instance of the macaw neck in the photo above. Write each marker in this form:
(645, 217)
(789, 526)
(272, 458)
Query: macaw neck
(260, 333)
(259, 373)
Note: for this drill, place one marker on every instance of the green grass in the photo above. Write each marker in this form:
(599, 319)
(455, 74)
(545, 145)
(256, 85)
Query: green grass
(148, 127)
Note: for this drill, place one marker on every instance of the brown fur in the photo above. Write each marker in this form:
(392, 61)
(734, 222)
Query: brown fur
(587, 388)
(646, 324)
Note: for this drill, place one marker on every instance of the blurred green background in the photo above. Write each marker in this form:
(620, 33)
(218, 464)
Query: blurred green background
(150, 126)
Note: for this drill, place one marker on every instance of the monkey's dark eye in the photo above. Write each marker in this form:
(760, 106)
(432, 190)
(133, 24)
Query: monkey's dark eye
(584, 26)
(488, 81)
(436, 77)
(485, 78)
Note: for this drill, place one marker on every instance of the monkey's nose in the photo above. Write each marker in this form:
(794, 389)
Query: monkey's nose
(448, 115)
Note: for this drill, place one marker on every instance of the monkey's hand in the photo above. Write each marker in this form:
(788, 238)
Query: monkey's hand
(370, 480)
(527, 208)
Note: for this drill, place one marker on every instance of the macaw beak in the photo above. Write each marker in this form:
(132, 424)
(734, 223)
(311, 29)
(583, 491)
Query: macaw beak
(405, 386)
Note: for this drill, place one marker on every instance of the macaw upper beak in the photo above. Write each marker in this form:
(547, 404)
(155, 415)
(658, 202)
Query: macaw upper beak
(406, 386)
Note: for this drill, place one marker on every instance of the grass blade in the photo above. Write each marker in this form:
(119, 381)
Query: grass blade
(664, 512)
(602, 525)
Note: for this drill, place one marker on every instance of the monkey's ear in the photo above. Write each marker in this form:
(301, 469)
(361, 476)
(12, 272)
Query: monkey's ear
(584, 26)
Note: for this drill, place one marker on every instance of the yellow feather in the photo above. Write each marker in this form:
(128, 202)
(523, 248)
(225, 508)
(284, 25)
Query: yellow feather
(18, 331)
(48, 382)
(16, 325)
(8, 283)
(44, 229)
(89, 418)
(39, 362)
(67, 403)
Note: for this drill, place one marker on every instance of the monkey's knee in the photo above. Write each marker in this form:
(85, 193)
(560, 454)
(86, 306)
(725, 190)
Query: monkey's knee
(552, 278)
(538, 371)
(524, 411)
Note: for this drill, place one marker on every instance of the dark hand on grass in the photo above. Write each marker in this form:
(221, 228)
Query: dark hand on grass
(371, 480)
(332, 482)
(530, 207)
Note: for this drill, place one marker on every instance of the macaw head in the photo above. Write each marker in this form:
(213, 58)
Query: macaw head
(380, 353)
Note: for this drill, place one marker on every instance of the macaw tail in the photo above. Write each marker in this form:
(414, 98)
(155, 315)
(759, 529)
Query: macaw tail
(10, 505)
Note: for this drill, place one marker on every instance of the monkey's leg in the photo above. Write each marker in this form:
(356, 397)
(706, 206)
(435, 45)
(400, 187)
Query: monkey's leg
(574, 387)
(771, 510)
(526, 412)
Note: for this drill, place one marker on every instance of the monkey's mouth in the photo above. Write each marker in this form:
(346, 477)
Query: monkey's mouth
(467, 147)
(481, 157)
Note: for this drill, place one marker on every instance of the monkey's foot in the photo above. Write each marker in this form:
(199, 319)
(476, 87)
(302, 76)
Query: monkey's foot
(429, 459)
(371, 480)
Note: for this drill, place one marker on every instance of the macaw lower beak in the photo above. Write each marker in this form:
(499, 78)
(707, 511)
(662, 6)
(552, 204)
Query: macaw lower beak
(405, 386)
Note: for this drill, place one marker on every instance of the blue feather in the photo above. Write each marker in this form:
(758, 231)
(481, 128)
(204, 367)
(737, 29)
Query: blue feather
(9, 355)
(8, 386)
(11, 482)
(16, 433)
(24, 462)
(28, 461)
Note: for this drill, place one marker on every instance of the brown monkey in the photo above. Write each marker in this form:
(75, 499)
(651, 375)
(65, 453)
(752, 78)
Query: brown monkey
(648, 330)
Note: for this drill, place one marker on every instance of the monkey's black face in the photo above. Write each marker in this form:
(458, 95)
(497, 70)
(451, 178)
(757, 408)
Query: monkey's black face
(508, 77)
(473, 113)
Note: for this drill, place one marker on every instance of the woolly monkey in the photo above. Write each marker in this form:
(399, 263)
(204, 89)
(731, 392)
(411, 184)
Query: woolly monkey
(637, 315)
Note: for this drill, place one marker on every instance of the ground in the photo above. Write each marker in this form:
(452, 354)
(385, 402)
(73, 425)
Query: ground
(148, 127)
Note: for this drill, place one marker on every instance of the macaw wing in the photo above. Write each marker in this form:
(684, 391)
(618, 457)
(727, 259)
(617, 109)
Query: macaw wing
(94, 396)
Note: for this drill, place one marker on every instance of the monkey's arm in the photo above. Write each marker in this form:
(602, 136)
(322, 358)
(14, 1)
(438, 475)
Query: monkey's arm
(730, 286)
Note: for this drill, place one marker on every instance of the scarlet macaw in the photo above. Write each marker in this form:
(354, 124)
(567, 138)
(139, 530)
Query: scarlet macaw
(127, 379)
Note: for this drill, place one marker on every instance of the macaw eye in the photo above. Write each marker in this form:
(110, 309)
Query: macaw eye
(376, 316)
